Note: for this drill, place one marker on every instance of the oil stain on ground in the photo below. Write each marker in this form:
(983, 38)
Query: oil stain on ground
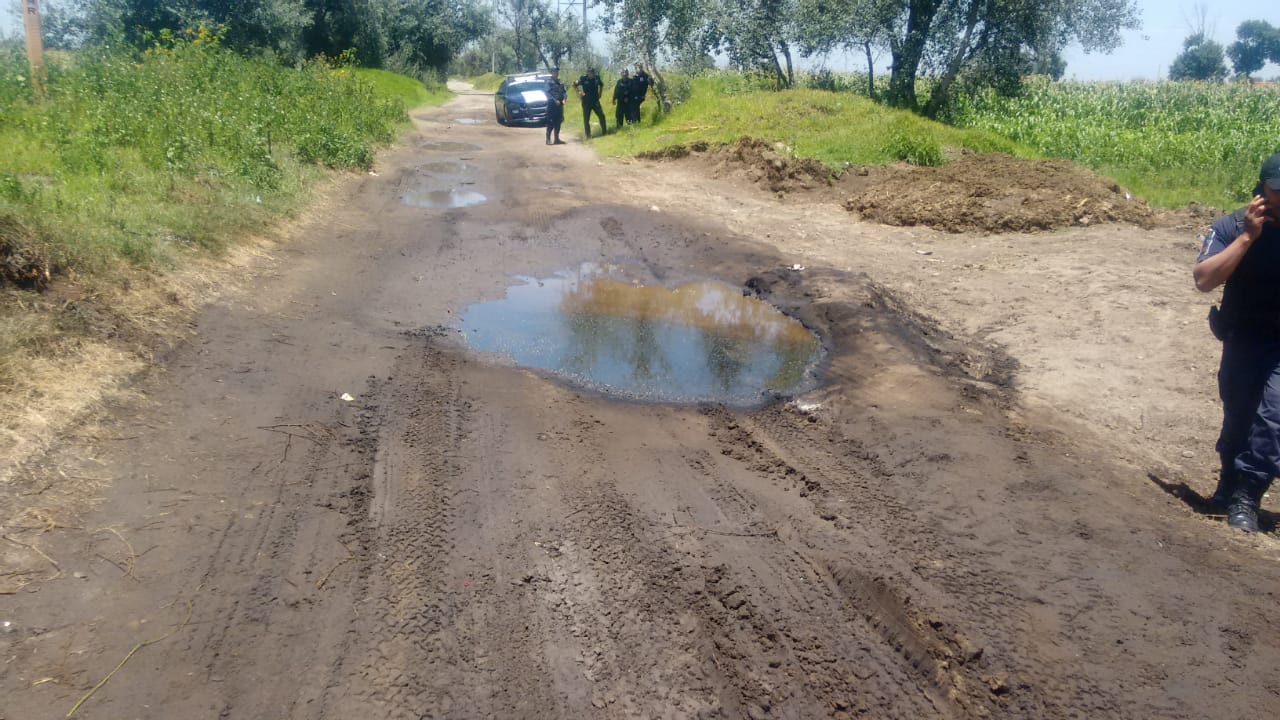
(696, 343)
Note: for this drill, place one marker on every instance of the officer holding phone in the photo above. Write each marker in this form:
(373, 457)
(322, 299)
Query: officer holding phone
(1241, 252)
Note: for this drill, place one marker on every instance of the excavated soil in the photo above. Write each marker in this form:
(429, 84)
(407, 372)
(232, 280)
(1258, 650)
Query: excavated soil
(992, 193)
(326, 505)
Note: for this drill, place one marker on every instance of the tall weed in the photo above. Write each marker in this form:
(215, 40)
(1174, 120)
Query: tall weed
(135, 156)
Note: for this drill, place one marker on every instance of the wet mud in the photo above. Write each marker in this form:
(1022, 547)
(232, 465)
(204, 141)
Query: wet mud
(329, 507)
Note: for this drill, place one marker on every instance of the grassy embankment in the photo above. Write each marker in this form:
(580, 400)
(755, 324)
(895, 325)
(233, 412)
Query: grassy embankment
(1170, 143)
(134, 169)
(839, 129)
(487, 81)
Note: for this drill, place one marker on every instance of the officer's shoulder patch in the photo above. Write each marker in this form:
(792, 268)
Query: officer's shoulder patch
(1207, 242)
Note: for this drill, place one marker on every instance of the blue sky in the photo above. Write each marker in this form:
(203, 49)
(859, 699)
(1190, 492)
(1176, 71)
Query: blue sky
(1146, 53)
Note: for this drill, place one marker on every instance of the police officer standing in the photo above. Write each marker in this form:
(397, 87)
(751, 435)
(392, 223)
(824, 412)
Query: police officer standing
(1242, 253)
(556, 95)
(640, 85)
(590, 87)
(621, 98)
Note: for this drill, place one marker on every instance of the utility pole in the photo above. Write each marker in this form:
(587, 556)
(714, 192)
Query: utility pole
(35, 46)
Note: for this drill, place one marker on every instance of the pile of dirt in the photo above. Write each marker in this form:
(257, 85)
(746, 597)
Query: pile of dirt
(769, 164)
(998, 193)
(974, 193)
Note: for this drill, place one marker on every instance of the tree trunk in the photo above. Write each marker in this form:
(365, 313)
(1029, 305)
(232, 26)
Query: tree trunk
(786, 53)
(659, 87)
(907, 52)
(871, 70)
(780, 79)
(938, 96)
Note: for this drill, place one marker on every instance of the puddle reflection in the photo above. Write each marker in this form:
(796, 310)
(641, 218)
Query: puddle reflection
(443, 199)
(700, 342)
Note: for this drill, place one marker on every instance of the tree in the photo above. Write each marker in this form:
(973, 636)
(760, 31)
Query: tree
(756, 35)
(825, 25)
(991, 39)
(644, 28)
(556, 36)
(519, 17)
(1256, 43)
(424, 35)
(1201, 59)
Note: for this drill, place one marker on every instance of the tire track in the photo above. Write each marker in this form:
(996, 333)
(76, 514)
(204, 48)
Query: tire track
(407, 612)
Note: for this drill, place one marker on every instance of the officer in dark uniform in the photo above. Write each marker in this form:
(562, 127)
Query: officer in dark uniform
(1242, 251)
(556, 95)
(621, 97)
(640, 84)
(590, 87)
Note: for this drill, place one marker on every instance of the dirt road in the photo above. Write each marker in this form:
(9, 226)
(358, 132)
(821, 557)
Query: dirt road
(968, 518)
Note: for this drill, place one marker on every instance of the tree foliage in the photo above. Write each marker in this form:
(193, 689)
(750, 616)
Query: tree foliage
(1201, 59)
(756, 35)
(1256, 43)
(557, 36)
(992, 42)
(411, 36)
(952, 42)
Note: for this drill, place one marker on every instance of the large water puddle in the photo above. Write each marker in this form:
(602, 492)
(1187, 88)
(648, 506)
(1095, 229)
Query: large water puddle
(700, 342)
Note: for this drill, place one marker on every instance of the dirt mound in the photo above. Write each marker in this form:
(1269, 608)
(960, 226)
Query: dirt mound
(974, 193)
(998, 193)
(768, 164)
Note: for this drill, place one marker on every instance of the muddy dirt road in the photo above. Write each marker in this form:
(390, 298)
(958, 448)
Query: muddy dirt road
(965, 519)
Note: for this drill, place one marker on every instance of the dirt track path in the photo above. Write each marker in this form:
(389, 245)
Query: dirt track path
(929, 534)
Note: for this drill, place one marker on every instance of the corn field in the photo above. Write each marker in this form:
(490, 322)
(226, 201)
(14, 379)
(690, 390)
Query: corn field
(1202, 142)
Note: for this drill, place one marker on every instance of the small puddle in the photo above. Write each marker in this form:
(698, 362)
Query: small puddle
(700, 342)
(446, 146)
(448, 167)
(443, 199)
(469, 121)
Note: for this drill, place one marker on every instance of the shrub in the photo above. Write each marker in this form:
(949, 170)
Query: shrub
(915, 148)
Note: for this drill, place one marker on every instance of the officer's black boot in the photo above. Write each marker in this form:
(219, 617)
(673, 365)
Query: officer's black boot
(1242, 511)
(1228, 479)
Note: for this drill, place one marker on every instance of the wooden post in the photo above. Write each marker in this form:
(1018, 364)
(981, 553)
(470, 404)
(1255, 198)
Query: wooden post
(35, 46)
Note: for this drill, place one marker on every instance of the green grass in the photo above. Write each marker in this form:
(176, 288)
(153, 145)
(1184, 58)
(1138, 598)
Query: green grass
(411, 93)
(838, 129)
(487, 81)
(1170, 142)
(136, 159)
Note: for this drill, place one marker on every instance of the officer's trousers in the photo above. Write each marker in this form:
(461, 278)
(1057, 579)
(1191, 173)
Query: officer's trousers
(588, 107)
(1249, 385)
(555, 116)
